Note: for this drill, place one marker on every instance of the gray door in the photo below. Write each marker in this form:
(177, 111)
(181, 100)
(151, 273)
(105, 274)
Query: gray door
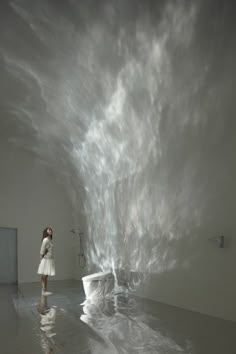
(8, 256)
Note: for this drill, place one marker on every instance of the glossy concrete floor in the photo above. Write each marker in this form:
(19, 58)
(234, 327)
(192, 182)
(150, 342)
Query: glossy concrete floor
(60, 323)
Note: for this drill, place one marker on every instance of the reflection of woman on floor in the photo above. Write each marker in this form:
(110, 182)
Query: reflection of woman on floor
(46, 266)
(47, 324)
(42, 307)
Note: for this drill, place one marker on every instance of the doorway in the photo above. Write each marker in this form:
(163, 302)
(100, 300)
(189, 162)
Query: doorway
(8, 255)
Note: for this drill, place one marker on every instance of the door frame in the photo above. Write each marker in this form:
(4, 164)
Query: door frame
(14, 228)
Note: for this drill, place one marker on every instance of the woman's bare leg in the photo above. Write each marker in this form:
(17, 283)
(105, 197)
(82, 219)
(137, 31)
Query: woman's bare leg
(43, 282)
(46, 282)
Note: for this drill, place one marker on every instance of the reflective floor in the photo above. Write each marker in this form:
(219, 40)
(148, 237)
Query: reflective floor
(64, 322)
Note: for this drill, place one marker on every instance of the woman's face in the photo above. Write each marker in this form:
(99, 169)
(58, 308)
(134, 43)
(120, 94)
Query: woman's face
(49, 232)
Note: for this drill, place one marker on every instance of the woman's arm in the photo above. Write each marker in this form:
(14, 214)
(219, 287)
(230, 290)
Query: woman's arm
(43, 247)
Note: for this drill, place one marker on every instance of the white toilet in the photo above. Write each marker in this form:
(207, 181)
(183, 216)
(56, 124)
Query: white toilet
(98, 284)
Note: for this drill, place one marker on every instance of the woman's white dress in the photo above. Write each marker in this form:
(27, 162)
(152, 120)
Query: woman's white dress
(47, 265)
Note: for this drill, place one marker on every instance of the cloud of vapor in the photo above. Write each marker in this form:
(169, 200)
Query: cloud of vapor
(98, 95)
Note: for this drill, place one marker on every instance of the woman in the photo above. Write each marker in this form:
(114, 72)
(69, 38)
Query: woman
(46, 266)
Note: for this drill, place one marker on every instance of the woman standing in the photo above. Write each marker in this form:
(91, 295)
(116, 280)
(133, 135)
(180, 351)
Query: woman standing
(46, 266)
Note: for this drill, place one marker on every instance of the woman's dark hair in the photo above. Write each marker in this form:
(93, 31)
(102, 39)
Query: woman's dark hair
(45, 232)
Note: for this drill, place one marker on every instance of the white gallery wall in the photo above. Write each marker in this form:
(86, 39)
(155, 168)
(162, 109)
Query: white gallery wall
(31, 199)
